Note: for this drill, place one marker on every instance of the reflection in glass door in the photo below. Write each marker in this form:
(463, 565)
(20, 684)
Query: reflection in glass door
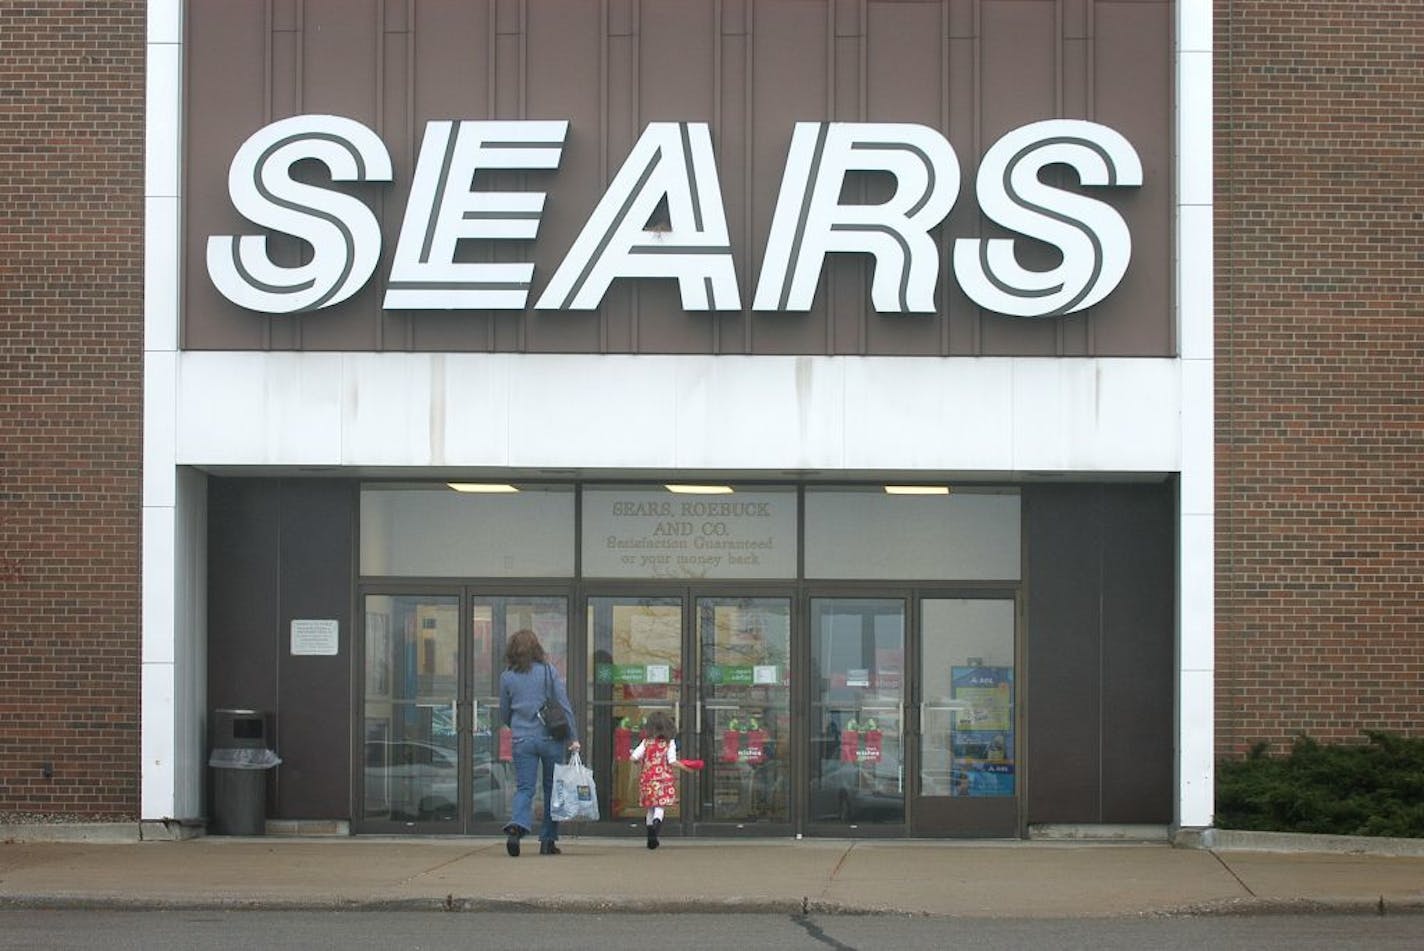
(856, 762)
(635, 666)
(434, 757)
(410, 756)
(493, 620)
(967, 741)
(744, 711)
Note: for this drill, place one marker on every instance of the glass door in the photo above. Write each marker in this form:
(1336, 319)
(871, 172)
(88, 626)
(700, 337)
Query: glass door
(493, 620)
(967, 741)
(434, 756)
(409, 759)
(743, 714)
(857, 705)
(635, 667)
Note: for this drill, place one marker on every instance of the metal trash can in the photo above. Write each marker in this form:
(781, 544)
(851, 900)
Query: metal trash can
(239, 759)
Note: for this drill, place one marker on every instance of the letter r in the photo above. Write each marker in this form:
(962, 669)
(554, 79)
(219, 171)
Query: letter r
(809, 221)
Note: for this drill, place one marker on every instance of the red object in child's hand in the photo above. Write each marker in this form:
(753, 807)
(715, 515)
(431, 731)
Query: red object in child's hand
(692, 763)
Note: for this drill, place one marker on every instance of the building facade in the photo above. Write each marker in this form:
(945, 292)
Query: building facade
(847, 371)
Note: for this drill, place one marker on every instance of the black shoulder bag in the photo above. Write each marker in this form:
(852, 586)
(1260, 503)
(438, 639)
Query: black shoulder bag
(551, 714)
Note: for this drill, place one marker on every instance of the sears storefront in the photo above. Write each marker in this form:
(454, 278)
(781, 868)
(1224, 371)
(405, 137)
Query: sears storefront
(822, 374)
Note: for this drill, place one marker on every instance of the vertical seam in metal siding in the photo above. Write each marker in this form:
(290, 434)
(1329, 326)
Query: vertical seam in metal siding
(748, 163)
(521, 325)
(862, 323)
(298, 107)
(603, 110)
(716, 105)
(976, 313)
(1090, 70)
(635, 60)
(1059, 77)
(946, 269)
(379, 110)
(268, 91)
(828, 330)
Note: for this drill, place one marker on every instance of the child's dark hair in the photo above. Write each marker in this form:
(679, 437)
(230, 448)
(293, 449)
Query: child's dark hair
(659, 724)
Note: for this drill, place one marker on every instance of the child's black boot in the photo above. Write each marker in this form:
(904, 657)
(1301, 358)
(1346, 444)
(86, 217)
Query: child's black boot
(653, 828)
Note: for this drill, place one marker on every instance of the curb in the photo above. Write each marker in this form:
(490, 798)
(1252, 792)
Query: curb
(1247, 907)
(90, 832)
(1236, 840)
(1230, 907)
(451, 904)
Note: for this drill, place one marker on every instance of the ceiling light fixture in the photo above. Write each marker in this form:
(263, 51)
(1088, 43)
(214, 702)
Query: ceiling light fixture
(699, 489)
(917, 490)
(488, 487)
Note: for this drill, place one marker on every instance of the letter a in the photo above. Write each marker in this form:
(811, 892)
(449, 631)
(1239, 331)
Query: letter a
(671, 160)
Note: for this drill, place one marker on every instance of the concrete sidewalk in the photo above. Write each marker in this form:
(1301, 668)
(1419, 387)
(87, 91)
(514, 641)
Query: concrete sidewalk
(822, 876)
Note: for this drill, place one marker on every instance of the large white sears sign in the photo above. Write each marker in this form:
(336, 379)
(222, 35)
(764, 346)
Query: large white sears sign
(673, 162)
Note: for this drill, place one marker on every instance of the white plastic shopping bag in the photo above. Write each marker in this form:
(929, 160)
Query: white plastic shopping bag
(574, 794)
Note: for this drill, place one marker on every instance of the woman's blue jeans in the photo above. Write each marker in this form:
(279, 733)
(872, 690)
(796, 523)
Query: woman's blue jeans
(530, 752)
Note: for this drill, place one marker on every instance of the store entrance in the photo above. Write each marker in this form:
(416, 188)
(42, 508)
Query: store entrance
(892, 712)
(719, 665)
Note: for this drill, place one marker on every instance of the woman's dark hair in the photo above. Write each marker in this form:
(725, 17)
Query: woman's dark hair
(660, 725)
(523, 650)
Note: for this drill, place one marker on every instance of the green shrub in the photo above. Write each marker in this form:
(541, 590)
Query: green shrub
(1373, 789)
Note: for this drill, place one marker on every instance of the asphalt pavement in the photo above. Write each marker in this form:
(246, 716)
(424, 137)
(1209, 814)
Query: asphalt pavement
(1008, 879)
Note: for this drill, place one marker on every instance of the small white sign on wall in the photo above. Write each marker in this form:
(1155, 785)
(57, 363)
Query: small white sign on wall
(315, 637)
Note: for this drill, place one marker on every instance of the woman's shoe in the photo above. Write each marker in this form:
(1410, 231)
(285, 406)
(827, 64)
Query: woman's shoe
(653, 829)
(547, 847)
(511, 844)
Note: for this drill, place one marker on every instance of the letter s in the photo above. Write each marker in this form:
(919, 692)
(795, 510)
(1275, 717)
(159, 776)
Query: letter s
(343, 233)
(1092, 237)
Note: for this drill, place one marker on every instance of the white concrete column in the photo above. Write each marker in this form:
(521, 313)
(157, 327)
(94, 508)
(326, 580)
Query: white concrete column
(1196, 595)
(167, 674)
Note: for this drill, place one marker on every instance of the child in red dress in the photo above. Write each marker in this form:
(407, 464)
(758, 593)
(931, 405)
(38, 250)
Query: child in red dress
(657, 786)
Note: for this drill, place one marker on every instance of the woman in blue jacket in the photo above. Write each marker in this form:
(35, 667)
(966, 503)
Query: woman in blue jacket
(528, 680)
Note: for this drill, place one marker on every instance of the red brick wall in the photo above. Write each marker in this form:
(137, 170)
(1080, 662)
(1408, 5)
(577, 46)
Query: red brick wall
(1320, 369)
(71, 301)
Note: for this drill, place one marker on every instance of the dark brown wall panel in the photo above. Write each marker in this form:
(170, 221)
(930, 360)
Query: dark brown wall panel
(243, 579)
(1099, 653)
(1138, 656)
(970, 68)
(581, 70)
(227, 72)
(281, 550)
(786, 87)
(314, 693)
(339, 62)
(1062, 655)
(1129, 89)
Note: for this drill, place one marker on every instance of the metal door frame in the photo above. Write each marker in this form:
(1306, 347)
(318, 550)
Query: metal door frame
(945, 817)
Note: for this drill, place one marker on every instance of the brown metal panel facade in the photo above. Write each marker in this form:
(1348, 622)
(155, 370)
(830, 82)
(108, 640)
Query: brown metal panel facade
(971, 70)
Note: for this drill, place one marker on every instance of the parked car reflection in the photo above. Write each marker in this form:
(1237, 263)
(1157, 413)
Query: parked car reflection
(413, 781)
(858, 791)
